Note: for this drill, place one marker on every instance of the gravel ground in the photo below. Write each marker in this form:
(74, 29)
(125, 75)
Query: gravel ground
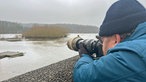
(57, 72)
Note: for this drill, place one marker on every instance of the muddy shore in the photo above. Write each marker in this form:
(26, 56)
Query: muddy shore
(57, 72)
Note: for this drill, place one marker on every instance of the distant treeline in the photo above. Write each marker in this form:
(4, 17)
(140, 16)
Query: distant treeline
(13, 27)
(10, 27)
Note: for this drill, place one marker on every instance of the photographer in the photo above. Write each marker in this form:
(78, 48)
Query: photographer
(123, 35)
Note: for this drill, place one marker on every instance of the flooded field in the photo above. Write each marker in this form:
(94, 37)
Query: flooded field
(37, 54)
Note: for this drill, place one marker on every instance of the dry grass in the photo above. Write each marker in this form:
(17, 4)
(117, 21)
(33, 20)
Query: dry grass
(46, 32)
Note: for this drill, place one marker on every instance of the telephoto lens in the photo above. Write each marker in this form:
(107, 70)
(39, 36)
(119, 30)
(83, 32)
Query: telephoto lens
(73, 43)
(92, 46)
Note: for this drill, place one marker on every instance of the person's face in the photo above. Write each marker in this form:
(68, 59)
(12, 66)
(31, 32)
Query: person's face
(109, 42)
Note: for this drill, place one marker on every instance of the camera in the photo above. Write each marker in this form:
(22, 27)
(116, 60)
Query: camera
(92, 46)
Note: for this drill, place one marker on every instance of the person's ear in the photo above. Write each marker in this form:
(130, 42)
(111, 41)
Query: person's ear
(117, 38)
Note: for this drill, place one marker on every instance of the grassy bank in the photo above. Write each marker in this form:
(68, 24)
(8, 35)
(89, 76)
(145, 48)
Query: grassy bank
(45, 32)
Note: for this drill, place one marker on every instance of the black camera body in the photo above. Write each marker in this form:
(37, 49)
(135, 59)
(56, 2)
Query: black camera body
(92, 46)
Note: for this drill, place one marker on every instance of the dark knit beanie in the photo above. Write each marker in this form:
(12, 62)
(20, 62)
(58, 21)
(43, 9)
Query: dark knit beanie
(122, 17)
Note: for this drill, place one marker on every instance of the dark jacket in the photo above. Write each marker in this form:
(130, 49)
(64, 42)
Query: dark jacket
(126, 62)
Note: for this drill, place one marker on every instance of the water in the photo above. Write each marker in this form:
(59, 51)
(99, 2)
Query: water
(37, 54)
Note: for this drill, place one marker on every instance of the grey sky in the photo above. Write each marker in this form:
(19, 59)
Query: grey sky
(88, 12)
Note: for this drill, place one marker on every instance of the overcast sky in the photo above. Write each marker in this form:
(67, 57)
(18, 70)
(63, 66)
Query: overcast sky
(87, 12)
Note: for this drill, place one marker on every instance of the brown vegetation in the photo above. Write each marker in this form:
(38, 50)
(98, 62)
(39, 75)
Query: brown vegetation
(45, 32)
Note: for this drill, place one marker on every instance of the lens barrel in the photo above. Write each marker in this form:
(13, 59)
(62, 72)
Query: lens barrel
(73, 43)
(92, 46)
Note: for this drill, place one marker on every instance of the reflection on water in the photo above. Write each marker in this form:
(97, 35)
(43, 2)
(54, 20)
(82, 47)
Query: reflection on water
(36, 55)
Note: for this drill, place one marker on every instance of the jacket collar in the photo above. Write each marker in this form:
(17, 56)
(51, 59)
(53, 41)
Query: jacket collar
(138, 32)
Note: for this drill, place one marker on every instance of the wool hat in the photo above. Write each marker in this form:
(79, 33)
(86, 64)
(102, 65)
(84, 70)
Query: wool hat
(122, 17)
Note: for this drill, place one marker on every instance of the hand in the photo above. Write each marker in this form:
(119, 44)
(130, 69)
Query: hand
(82, 50)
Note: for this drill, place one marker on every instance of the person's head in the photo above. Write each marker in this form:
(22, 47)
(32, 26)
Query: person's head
(120, 20)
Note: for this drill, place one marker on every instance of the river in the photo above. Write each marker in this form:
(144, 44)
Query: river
(37, 54)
